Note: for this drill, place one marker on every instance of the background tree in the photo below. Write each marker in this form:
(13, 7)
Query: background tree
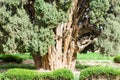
(15, 27)
(108, 42)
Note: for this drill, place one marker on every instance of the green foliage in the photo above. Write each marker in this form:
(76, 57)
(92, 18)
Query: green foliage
(64, 4)
(24, 74)
(98, 70)
(48, 15)
(63, 74)
(15, 29)
(47, 18)
(24, 66)
(11, 58)
(18, 34)
(10, 2)
(117, 59)
(1, 75)
(23, 56)
(20, 74)
(109, 41)
(98, 10)
(41, 40)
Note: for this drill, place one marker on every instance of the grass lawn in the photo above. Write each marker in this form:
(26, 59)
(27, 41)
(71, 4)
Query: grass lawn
(93, 56)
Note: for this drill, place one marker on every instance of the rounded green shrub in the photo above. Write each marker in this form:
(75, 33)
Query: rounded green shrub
(11, 58)
(24, 74)
(63, 74)
(116, 59)
(98, 71)
(20, 74)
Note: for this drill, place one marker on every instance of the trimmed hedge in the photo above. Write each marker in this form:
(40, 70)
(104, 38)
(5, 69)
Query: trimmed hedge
(98, 70)
(24, 74)
(11, 58)
(63, 74)
(116, 59)
(9, 66)
(20, 74)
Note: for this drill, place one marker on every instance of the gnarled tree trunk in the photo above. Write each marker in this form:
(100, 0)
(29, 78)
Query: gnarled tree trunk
(70, 38)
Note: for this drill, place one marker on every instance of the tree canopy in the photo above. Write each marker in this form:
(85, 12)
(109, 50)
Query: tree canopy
(18, 34)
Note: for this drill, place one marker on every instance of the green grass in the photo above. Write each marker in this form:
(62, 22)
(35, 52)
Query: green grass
(93, 56)
(25, 56)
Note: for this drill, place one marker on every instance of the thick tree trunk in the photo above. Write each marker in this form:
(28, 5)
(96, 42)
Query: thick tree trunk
(63, 54)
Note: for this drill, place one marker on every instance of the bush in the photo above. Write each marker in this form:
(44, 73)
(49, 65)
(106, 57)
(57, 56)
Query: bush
(117, 59)
(20, 74)
(97, 71)
(24, 74)
(11, 58)
(63, 74)
(25, 66)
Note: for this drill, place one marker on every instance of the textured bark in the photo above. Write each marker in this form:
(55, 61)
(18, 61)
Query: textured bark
(70, 39)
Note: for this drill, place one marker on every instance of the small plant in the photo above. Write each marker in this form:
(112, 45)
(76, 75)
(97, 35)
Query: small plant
(11, 58)
(117, 59)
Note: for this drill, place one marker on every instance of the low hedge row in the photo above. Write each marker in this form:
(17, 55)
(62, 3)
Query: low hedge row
(24, 74)
(98, 70)
(11, 58)
(23, 66)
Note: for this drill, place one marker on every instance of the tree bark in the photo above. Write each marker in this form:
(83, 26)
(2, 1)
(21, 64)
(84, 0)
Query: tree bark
(64, 53)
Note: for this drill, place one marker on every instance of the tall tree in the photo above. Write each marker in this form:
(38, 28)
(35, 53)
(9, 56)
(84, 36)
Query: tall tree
(108, 42)
(54, 31)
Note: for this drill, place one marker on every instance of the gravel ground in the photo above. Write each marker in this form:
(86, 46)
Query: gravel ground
(99, 63)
